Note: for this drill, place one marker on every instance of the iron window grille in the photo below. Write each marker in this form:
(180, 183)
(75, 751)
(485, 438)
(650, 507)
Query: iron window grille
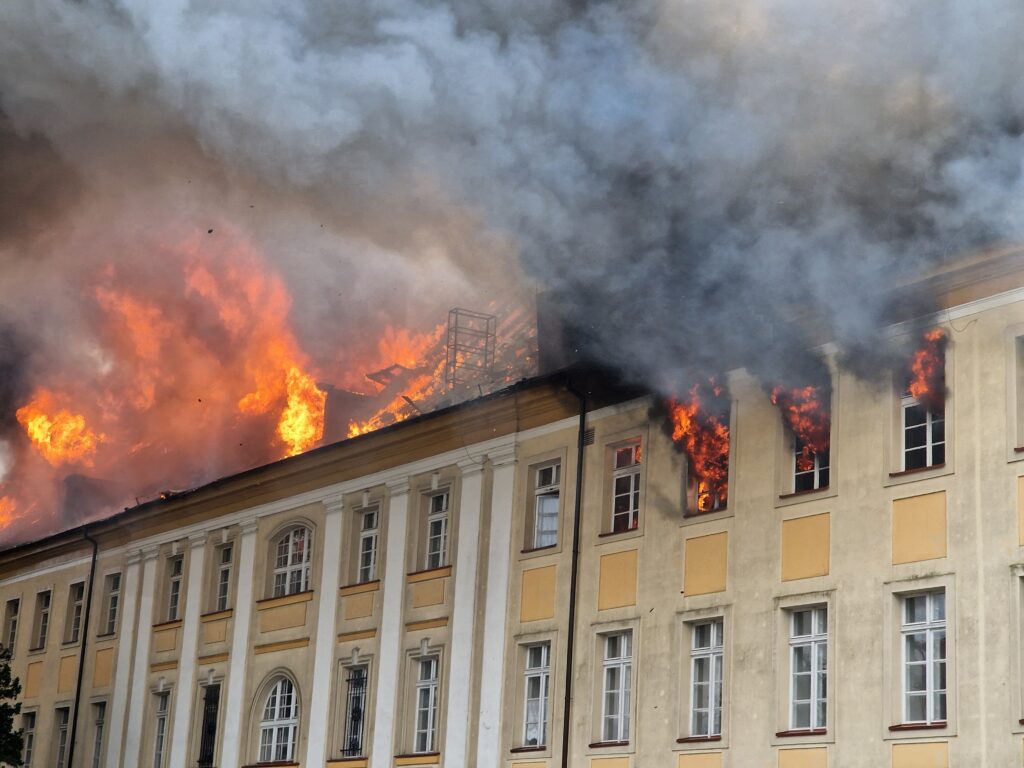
(355, 711)
(208, 729)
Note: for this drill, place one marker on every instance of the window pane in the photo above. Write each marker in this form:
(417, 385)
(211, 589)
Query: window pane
(915, 459)
(915, 609)
(802, 715)
(914, 415)
(916, 677)
(939, 704)
(939, 454)
(702, 636)
(916, 645)
(801, 623)
(916, 707)
(802, 687)
(802, 658)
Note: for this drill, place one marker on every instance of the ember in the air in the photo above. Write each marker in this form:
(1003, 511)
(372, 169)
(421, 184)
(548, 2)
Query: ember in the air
(700, 428)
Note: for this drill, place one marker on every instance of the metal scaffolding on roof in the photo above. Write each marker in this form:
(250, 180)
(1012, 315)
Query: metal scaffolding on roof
(472, 339)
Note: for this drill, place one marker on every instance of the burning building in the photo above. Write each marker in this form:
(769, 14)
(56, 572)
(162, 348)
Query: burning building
(566, 571)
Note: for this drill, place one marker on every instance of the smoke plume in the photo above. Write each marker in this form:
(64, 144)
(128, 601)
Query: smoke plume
(699, 182)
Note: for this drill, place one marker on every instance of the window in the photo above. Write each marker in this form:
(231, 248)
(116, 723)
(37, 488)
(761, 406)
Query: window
(28, 724)
(62, 736)
(924, 658)
(355, 711)
(810, 468)
(224, 578)
(369, 522)
(537, 690)
(425, 734)
(73, 624)
(174, 570)
(923, 434)
(626, 488)
(11, 623)
(547, 482)
(280, 724)
(706, 662)
(291, 569)
(615, 699)
(99, 717)
(437, 530)
(808, 669)
(208, 728)
(160, 729)
(42, 624)
(113, 590)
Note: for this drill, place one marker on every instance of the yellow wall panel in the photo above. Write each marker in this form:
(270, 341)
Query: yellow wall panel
(919, 528)
(426, 593)
(102, 668)
(617, 586)
(805, 547)
(359, 606)
(705, 564)
(283, 617)
(534, 764)
(815, 757)
(609, 762)
(33, 678)
(66, 674)
(538, 598)
(703, 760)
(165, 640)
(928, 755)
(215, 631)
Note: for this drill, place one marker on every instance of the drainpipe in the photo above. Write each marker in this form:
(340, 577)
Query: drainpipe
(574, 571)
(81, 652)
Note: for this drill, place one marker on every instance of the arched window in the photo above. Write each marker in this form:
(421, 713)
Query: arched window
(279, 727)
(291, 569)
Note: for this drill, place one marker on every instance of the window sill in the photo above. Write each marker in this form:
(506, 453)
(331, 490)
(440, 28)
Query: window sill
(917, 471)
(801, 732)
(283, 764)
(531, 550)
(172, 624)
(106, 635)
(520, 750)
(227, 613)
(68, 644)
(607, 744)
(1019, 449)
(698, 739)
(938, 726)
(274, 602)
(428, 575)
(39, 651)
(808, 492)
(347, 759)
(689, 515)
(361, 587)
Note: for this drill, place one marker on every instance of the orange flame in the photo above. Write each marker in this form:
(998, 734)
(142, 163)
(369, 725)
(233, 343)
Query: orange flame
(62, 437)
(7, 509)
(927, 380)
(302, 422)
(702, 432)
(805, 410)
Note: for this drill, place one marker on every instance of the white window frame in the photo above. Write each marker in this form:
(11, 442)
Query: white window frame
(714, 655)
(615, 724)
(175, 574)
(76, 601)
(906, 403)
(544, 492)
(630, 470)
(436, 550)
(99, 709)
(816, 642)
(44, 602)
(161, 708)
(28, 724)
(11, 623)
(62, 721)
(816, 470)
(279, 723)
(426, 704)
(292, 568)
(369, 530)
(225, 562)
(931, 627)
(541, 673)
(113, 602)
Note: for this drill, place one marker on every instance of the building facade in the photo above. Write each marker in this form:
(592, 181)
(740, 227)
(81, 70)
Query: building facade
(523, 581)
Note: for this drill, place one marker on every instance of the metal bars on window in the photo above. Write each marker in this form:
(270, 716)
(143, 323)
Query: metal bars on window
(355, 712)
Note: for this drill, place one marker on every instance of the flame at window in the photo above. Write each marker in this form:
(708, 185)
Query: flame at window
(700, 428)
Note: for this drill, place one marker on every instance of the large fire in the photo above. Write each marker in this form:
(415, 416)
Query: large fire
(60, 436)
(193, 370)
(806, 412)
(700, 428)
(927, 377)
